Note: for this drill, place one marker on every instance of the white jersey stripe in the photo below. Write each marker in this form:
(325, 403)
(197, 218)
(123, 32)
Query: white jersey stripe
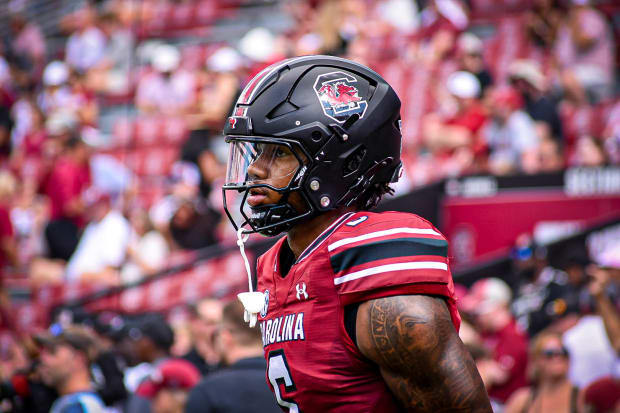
(370, 235)
(425, 265)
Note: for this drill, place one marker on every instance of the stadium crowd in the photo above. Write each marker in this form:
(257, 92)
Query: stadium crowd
(112, 138)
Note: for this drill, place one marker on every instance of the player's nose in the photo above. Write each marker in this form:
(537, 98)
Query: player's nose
(257, 171)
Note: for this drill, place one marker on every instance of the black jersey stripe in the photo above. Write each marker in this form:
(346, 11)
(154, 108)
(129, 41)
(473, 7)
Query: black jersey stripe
(390, 248)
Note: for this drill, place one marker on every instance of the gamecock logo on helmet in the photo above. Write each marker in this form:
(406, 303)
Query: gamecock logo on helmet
(338, 97)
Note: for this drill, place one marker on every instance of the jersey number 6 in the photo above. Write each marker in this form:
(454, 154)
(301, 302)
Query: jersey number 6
(279, 373)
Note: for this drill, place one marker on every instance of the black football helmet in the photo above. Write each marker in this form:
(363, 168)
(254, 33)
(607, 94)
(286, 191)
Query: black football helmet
(326, 127)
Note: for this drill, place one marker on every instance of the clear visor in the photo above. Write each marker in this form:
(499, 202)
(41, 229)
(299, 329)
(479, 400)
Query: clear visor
(261, 163)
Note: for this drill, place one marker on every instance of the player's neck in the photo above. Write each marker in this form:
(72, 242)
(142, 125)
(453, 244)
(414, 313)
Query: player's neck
(302, 234)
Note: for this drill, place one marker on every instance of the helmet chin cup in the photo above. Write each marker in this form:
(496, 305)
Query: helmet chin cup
(253, 303)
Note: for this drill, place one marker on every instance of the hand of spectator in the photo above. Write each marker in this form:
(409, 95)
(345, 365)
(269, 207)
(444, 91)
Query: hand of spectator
(492, 372)
(599, 278)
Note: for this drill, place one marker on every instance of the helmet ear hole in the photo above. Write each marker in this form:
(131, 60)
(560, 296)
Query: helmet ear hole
(316, 136)
(354, 161)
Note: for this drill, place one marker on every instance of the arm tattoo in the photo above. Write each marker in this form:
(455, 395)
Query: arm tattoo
(421, 357)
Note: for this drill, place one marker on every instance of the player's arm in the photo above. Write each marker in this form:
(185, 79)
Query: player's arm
(421, 358)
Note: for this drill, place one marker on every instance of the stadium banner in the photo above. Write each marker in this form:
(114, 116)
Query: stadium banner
(482, 216)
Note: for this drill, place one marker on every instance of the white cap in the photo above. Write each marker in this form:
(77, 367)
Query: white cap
(463, 85)
(225, 59)
(56, 73)
(486, 295)
(528, 70)
(166, 58)
(258, 44)
(470, 43)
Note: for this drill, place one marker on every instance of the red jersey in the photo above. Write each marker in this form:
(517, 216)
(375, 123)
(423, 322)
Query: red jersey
(313, 365)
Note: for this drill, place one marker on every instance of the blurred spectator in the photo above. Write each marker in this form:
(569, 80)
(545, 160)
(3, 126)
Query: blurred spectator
(261, 47)
(6, 125)
(505, 372)
(242, 382)
(147, 249)
(169, 386)
(29, 216)
(510, 135)
(168, 89)
(107, 368)
(594, 342)
(86, 45)
(182, 185)
(602, 277)
(470, 50)
(202, 150)
(8, 245)
(112, 73)
(221, 87)
(145, 343)
(56, 95)
(182, 338)
(82, 101)
(441, 20)
(591, 353)
(551, 390)
(585, 53)
(65, 187)
(575, 297)
(611, 135)
(108, 173)
(146, 346)
(602, 396)
(65, 363)
(550, 156)
(28, 41)
(589, 152)
(540, 288)
(453, 134)
(194, 226)
(33, 142)
(528, 79)
(206, 316)
(543, 21)
(107, 227)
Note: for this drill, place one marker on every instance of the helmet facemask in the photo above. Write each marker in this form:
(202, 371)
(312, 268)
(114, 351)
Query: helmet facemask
(258, 167)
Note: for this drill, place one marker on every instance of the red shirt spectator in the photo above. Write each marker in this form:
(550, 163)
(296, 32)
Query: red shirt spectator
(509, 347)
(473, 119)
(505, 371)
(67, 181)
(6, 234)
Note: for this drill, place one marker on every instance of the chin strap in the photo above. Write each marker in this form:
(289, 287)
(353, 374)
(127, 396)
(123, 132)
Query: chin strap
(253, 301)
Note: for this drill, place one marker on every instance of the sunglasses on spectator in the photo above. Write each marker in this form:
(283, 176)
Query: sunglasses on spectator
(554, 352)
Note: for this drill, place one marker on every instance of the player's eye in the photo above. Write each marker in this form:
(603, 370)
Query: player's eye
(282, 151)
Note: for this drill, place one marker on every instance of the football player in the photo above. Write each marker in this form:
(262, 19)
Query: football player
(358, 310)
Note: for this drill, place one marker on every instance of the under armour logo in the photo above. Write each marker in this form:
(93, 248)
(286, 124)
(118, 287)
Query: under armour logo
(232, 122)
(301, 291)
